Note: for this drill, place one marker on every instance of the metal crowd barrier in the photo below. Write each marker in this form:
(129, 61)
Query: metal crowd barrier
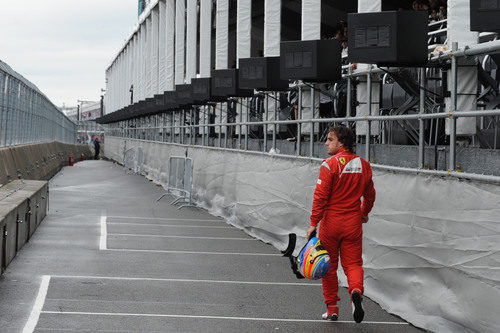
(180, 181)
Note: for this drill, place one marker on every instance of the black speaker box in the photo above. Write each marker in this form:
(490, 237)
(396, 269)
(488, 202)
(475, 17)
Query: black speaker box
(170, 100)
(184, 94)
(485, 15)
(225, 83)
(202, 90)
(311, 60)
(262, 74)
(394, 38)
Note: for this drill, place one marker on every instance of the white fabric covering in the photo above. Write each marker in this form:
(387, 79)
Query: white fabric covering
(311, 19)
(154, 51)
(180, 40)
(191, 40)
(362, 108)
(170, 45)
(162, 52)
(307, 112)
(459, 31)
(222, 34)
(243, 30)
(368, 6)
(272, 28)
(148, 55)
(205, 38)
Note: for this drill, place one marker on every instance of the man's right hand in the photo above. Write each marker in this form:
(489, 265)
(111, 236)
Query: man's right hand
(364, 218)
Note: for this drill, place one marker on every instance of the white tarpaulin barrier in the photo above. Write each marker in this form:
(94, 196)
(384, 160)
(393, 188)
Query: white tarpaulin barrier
(362, 108)
(205, 38)
(154, 51)
(459, 31)
(311, 19)
(148, 55)
(162, 52)
(243, 30)
(170, 45)
(191, 40)
(431, 247)
(272, 28)
(180, 40)
(369, 6)
(222, 34)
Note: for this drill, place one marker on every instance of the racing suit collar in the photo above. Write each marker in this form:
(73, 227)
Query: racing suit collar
(342, 150)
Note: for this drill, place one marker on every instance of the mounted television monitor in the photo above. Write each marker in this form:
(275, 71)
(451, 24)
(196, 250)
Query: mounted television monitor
(184, 94)
(393, 38)
(311, 60)
(485, 15)
(225, 83)
(261, 73)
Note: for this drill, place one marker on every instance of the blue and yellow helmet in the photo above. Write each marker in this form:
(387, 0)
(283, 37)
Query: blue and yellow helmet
(313, 261)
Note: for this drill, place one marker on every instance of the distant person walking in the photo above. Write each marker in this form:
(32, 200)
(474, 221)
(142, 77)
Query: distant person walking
(97, 148)
(343, 179)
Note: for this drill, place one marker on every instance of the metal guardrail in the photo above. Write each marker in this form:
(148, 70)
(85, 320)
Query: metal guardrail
(180, 180)
(172, 122)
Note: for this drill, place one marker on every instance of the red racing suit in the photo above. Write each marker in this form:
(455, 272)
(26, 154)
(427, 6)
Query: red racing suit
(343, 179)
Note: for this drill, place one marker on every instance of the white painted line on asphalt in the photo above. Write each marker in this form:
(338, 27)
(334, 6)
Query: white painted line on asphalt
(195, 252)
(162, 218)
(188, 237)
(173, 225)
(37, 307)
(119, 278)
(104, 234)
(108, 314)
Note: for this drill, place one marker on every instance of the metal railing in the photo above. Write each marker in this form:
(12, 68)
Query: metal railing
(27, 116)
(177, 126)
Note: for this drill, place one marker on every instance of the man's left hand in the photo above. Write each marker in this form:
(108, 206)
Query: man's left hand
(310, 231)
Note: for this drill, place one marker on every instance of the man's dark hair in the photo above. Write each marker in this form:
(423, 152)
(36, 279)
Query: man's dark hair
(345, 135)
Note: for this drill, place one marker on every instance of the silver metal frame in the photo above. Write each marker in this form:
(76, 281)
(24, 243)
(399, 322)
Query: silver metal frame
(27, 116)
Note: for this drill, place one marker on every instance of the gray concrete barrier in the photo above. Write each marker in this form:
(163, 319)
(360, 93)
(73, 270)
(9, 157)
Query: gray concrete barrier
(23, 205)
(39, 161)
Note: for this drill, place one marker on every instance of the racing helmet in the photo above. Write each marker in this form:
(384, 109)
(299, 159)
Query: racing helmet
(313, 260)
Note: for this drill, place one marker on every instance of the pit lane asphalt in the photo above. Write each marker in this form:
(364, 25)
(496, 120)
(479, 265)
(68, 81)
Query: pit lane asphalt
(109, 258)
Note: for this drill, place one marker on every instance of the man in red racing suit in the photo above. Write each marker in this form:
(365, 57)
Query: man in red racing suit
(343, 179)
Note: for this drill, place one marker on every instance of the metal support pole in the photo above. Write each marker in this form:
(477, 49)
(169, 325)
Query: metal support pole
(220, 126)
(313, 115)
(369, 112)
(266, 118)
(299, 125)
(226, 135)
(241, 120)
(453, 106)
(191, 129)
(421, 142)
(246, 126)
(183, 122)
(171, 121)
(349, 92)
(276, 116)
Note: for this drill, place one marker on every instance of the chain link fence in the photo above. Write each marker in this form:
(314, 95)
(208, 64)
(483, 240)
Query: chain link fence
(27, 115)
